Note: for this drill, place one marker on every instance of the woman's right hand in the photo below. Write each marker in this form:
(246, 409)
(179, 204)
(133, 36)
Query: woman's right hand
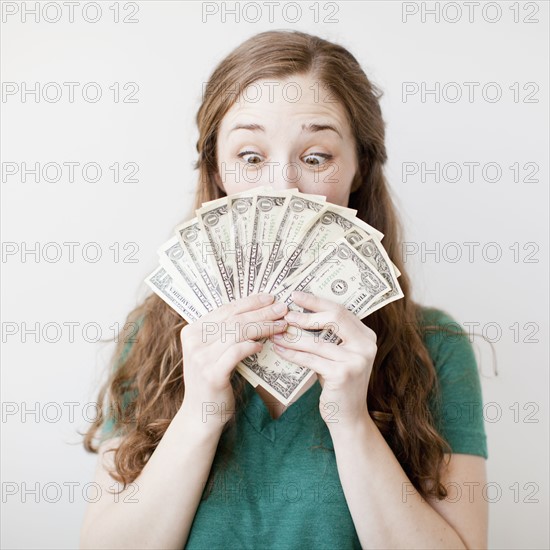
(214, 344)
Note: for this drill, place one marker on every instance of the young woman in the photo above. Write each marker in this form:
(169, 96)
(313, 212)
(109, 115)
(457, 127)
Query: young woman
(385, 447)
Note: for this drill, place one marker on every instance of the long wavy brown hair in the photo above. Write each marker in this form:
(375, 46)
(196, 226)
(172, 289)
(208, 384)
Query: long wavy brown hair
(403, 379)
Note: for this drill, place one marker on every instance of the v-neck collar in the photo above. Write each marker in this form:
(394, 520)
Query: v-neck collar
(258, 415)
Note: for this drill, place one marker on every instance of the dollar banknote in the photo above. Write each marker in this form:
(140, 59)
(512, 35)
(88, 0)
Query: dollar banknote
(277, 241)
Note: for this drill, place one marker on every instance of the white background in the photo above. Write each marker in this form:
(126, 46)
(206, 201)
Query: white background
(169, 53)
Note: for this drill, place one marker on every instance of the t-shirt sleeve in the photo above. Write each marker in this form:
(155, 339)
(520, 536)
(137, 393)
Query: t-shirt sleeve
(459, 411)
(108, 427)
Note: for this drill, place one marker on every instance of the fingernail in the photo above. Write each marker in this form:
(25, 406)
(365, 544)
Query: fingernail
(277, 337)
(266, 298)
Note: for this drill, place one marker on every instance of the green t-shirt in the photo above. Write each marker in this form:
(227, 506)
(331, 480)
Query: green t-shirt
(108, 426)
(279, 492)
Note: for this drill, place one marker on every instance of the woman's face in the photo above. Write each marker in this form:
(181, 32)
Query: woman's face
(287, 133)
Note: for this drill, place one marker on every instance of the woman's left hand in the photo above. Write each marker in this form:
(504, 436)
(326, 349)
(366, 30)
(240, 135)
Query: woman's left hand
(344, 370)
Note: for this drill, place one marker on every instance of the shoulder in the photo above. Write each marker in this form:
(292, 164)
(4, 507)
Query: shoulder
(458, 401)
(111, 426)
(447, 341)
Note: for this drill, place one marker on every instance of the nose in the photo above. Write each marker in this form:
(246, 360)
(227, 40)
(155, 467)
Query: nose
(281, 173)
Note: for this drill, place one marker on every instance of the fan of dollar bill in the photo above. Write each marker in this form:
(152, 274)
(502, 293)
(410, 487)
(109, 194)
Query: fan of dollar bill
(267, 240)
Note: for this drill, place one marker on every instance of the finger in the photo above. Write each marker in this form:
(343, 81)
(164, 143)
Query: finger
(320, 365)
(327, 314)
(267, 313)
(242, 305)
(259, 322)
(248, 326)
(299, 341)
(315, 321)
(341, 322)
(265, 329)
(235, 334)
(312, 302)
(236, 353)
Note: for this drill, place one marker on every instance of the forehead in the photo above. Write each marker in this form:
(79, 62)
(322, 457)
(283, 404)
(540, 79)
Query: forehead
(286, 101)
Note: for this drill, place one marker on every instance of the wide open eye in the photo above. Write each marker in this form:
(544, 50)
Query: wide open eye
(316, 159)
(250, 155)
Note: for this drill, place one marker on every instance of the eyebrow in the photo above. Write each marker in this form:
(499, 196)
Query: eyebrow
(311, 128)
